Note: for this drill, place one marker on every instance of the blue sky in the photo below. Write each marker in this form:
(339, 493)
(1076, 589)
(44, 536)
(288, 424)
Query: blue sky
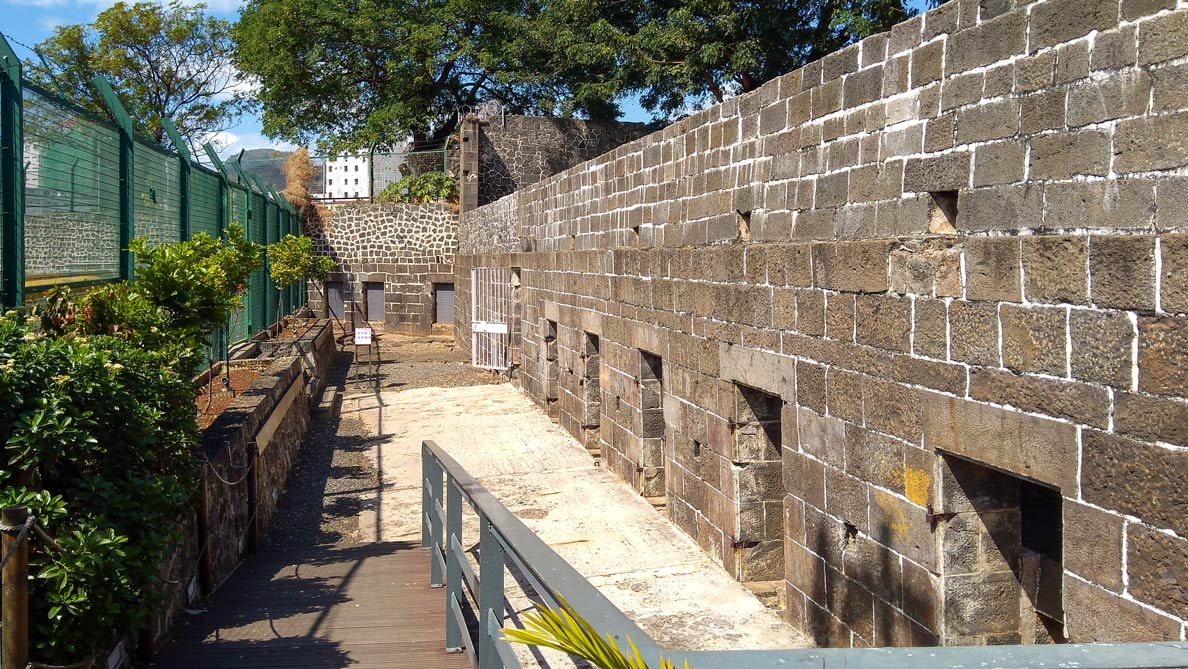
(30, 21)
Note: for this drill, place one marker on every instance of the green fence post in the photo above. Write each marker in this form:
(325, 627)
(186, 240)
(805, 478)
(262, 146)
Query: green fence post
(127, 156)
(183, 153)
(12, 181)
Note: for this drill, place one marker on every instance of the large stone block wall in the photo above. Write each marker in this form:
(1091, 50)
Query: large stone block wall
(922, 312)
(517, 151)
(404, 246)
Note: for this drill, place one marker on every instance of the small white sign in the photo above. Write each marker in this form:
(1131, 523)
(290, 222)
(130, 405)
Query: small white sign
(363, 336)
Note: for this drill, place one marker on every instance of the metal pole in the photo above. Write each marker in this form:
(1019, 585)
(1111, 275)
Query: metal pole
(127, 156)
(453, 567)
(183, 152)
(12, 180)
(490, 594)
(426, 502)
(15, 594)
(435, 474)
(253, 498)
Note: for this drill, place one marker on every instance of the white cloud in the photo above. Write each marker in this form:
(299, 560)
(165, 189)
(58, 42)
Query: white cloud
(48, 23)
(228, 143)
(39, 3)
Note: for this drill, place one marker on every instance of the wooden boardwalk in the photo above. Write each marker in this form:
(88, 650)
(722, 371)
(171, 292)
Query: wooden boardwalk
(362, 606)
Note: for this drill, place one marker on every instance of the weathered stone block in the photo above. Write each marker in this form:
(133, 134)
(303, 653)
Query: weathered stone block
(1096, 615)
(1034, 339)
(1155, 564)
(1056, 269)
(1156, 143)
(752, 367)
(859, 267)
(1093, 544)
(1151, 418)
(1101, 346)
(891, 408)
(1123, 272)
(931, 330)
(1163, 38)
(988, 121)
(949, 171)
(839, 317)
(1078, 402)
(1012, 207)
(974, 332)
(1173, 284)
(884, 321)
(1135, 478)
(1123, 94)
(999, 163)
(1163, 356)
(992, 269)
(1028, 446)
(1065, 20)
(1068, 154)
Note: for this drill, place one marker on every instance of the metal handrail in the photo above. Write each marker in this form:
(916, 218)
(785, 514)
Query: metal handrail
(503, 537)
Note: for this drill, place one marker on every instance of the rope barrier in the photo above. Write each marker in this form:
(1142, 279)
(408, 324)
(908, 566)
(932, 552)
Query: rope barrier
(23, 532)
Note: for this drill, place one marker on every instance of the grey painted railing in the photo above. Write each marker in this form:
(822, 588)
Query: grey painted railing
(504, 539)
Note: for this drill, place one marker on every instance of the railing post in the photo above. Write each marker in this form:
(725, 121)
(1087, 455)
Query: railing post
(12, 180)
(253, 497)
(453, 567)
(14, 640)
(127, 156)
(183, 152)
(426, 502)
(437, 579)
(490, 594)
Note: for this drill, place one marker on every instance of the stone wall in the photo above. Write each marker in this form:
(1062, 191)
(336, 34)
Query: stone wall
(518, 151)
(404, 246)
(919, 313)
(78, 243)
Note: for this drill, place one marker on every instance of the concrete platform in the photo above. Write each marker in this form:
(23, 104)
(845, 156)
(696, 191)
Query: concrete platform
(611, 535)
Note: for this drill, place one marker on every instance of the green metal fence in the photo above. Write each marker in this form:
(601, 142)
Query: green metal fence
(76, 188)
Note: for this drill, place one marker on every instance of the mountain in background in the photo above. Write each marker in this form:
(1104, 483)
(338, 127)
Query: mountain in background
(265, 164)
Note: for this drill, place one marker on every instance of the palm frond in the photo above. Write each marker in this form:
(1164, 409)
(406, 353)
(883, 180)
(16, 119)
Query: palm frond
(564, 630)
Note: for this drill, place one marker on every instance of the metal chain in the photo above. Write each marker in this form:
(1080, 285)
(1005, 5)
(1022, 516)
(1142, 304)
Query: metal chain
(247, 470)
(24, 531)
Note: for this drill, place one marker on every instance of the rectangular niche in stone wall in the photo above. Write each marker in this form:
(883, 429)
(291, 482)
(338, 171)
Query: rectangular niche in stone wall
(758, 468)
(552, 365)
(373, 292)
(650, 467)
(591, 391)
(1002, 566)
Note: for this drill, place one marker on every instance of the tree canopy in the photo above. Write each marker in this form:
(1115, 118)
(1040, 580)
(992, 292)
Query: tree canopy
(350, 73)
(164, 61)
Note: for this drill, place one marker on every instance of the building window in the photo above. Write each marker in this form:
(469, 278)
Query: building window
(356, 168)
(356, 182)
(331, 182)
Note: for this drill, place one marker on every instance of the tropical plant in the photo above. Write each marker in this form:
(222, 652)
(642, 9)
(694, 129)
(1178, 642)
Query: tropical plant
(421, 189)
(163, 60)
(564, 630)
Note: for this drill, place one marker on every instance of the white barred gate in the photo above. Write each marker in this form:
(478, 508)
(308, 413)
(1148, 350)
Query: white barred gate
(490, 311)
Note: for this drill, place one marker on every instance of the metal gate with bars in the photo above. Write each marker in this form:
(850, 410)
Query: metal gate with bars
(490, 309)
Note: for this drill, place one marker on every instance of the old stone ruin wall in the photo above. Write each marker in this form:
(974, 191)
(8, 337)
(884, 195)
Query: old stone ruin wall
(405, 247)
(903, 331)
(518, 151)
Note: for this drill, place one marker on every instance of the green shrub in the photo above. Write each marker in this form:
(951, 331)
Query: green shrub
(421, 189)
(98, 439)
(292, 259)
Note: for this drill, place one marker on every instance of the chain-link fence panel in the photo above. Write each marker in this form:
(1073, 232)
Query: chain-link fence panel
(205, 202)
(156, 194)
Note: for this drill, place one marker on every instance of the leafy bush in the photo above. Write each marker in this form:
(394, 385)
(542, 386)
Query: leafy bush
(98, 430)
(199, 282)
(292, 259)
(98, 439)
(421, 189)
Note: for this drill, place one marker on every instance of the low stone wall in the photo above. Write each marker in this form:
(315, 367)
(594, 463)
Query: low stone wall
(316, 349)
(272, 415)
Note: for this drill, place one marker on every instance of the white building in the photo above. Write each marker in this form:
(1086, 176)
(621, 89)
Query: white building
(347, 178)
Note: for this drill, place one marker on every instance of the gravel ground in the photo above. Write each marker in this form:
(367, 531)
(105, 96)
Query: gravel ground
(332, 473)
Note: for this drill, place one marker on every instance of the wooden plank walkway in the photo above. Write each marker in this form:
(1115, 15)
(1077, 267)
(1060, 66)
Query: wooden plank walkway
(362, 606)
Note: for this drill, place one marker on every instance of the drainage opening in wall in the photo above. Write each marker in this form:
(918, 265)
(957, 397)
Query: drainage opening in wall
(1003, 561)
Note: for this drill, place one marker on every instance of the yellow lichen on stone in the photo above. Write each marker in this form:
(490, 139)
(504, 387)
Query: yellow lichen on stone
(916, 484)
